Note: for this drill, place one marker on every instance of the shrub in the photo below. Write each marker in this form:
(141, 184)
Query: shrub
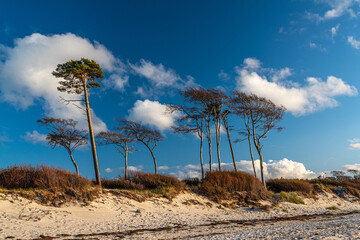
(224, 186)
(144, 181)
(52, 179)
(152, 181)
(291, 197)
(290, 185)
(335, 208)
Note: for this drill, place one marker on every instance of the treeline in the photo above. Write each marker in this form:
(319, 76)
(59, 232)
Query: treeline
(202, 110)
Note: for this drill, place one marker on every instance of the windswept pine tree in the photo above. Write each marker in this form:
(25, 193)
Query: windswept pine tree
(63, 132)
(79, 76)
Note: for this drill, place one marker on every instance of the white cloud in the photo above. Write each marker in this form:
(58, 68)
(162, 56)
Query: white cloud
(161, 77)
(334, 30)
(223, 76)
(284, 168)
(316, 95)
(152, 113)
(134, 169)
(5, 138)
(281, 74)
(26, 69)
(355, 166)
(108, 170)
(353, 42)
(338, 9)
(354, 143)
(35, 137)
(163, 168)
(252, 63)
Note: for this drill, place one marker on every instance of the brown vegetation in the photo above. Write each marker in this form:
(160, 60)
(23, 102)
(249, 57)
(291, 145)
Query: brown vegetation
(226, 185)
(57, 184)
(290, 185)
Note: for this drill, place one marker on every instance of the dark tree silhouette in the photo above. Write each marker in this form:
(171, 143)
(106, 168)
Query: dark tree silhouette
(146, 136)
(122, 141)
(63, 132)
(78, 77)
(263, 116)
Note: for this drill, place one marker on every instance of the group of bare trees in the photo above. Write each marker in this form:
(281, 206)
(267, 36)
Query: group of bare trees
(207, 109)
(202, 111)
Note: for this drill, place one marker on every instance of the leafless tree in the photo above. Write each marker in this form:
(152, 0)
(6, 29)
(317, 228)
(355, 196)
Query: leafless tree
(225, 116)
(63, 132)
(146, 136)
(192, 120)
(263, 115)
(216, 99)
(122, 141)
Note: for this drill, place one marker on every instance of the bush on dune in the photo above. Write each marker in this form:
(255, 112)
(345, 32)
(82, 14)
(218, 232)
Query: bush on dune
(157, 183)
(290, 185)
(53, 180)
(225, 185)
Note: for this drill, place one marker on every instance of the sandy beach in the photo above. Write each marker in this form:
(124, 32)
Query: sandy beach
(113, 216)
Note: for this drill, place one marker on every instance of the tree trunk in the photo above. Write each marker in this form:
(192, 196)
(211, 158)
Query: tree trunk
(201, 157)
(208, 130)
(251, 154)
(153, 156)
(231, 148)
(126, 165)
(73, 161)
(262, 169)
(92, 139)
(218, 143)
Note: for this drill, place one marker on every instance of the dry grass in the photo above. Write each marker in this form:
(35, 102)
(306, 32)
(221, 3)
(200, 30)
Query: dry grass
(226, 185)
(53, 184)
(290, 185)
(351, 185)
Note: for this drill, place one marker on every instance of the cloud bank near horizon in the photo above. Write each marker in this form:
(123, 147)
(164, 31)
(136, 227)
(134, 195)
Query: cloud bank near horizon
(299, 100)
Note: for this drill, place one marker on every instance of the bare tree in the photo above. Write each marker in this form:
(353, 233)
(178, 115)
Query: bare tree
(263, 116)
(122, 141)
(63, 132)
(191, 121)
(225, 116)
(146, 136)
(241, 106)
(78, 77)
(216, 100)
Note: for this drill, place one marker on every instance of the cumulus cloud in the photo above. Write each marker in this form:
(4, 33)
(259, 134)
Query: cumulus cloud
(281, 74)
(152, 113)
(35, 137)
(109, 170)
(160, 77)
(252, 63)
(26, 79)
(315, 95)
(353, 42)
(355, 166)
(283, 168)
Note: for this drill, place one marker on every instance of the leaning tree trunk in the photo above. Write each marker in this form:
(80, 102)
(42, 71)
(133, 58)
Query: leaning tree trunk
(126, 165)
(92, 139)
(208, 131)
(258, 148)
(230, 144)
(251, 154)
(153, 156)
(218, 143)
(201, 157)
(73, 161)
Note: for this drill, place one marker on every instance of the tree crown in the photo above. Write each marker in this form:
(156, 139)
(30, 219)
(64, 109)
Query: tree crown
(77, 73)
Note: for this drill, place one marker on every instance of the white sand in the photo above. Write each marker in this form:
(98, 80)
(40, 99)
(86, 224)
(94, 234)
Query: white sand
(25, 219)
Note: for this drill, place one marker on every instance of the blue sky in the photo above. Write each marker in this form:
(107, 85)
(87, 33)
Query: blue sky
(301, 54)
